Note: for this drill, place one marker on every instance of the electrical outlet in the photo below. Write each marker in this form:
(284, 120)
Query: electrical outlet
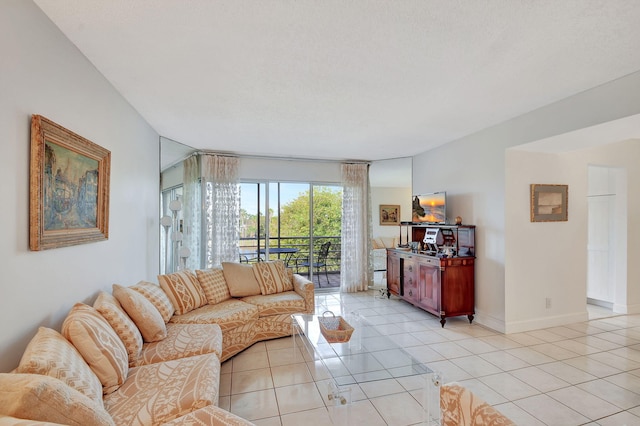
(548, 302)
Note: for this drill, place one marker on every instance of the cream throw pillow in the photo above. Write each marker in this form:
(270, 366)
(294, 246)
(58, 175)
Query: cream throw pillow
(272, 277)
(142, 312)
(157, 296)
(125, 328)
(50, 354)
(98, 344)
(184, 291)
(240, 279)
(46, 399)
(213, 285)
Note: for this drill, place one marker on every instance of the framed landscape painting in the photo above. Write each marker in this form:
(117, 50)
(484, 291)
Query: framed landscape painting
(389, 214)
(549, 203)
(68, 188)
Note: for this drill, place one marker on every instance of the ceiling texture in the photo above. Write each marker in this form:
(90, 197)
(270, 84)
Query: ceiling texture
(357, 79)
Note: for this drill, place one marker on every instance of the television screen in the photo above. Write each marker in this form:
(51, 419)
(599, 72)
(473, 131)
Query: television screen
(430, 208)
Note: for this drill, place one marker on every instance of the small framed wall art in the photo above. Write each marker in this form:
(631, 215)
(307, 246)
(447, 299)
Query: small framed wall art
(389, 214)
(68, 188)
(549, 203)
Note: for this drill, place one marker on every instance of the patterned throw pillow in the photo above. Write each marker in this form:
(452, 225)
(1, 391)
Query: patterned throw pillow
(142, 312)
(42, 398)
(183, 290)
(156, 296)
(98, 344)
(213, 285)
(240, 279)
(50, 354)
(110, 309)
(272, 277)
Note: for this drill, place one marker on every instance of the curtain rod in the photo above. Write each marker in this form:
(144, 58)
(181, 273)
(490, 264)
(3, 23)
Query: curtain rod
(267, 157)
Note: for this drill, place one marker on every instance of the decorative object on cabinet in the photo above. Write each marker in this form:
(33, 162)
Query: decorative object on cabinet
(68, 188)
(549, 203)
(389, 214)
(440, 277)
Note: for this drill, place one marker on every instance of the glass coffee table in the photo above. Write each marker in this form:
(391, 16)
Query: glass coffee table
(368, 356)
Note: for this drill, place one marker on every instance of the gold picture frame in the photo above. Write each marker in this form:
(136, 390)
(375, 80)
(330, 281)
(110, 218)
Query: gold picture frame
(549, 203)
(389, 214)
(68, 188)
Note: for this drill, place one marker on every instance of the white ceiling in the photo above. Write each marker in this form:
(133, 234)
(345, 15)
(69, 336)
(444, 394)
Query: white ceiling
(357, 79)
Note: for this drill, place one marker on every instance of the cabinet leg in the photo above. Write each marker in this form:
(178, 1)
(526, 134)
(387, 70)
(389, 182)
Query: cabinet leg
(442, 321)
(470, 318)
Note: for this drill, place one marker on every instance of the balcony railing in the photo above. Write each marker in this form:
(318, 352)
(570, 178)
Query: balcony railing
(251, 252)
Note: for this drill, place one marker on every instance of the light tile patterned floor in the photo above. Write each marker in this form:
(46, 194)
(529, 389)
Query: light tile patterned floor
(579, 374)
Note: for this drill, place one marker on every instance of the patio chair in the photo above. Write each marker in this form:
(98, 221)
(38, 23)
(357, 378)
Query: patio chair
(320, 262)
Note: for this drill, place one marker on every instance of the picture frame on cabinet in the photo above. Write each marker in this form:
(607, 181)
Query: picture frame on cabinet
(389, 214)
(549, 203)
(68, 187)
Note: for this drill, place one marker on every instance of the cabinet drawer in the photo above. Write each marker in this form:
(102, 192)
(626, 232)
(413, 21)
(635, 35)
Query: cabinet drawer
(408, 267)
(457, 261)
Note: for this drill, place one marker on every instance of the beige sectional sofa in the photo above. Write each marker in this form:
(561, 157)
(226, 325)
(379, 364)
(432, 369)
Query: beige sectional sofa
(461, 407)
(150, 354)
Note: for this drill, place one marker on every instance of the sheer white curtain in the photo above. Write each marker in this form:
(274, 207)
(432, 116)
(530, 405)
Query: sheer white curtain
(192, 213)
(356, 264)
(222, 209)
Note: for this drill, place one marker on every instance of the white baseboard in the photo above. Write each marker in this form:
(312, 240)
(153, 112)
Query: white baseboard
(546, 322)
(626, 309)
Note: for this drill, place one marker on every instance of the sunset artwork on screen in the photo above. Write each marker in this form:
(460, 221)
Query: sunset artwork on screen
(430, 208)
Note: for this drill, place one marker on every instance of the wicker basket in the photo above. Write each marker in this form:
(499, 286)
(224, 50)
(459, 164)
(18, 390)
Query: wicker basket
(334, 328)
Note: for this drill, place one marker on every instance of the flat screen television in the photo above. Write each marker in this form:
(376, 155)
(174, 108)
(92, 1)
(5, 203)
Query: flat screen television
(430, 208)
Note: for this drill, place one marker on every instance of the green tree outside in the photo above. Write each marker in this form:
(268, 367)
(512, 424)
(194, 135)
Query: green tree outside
(327, 214)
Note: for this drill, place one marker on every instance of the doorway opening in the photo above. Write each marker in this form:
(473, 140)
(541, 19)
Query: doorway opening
(607, 242)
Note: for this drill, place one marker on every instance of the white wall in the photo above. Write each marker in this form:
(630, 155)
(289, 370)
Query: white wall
(473, 171)
(294, 170)
(545, 259)
(43, 73)
(549, 259)
(173, 176)
(386, 195)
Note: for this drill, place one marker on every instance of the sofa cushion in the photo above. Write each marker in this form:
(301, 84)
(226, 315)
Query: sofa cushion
(240, 279)
(304, 288)
(384, 242)
(459, 406)
(98, 344)
(43, 398)
(157, 393)
(157, 297)
(14, 421)
(50, 354)
(213, 285)
(288, 302)
(228, 314)
(146, 317)
(183, 340)
(376, 243)
(184, 291)
(210, 416)
(110, 309)
(272, 277)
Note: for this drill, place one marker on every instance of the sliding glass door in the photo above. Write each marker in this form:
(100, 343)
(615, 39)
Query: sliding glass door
(292, 221)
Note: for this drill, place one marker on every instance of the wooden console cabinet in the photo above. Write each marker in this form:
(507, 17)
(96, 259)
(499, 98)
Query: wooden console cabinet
(443, 286)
